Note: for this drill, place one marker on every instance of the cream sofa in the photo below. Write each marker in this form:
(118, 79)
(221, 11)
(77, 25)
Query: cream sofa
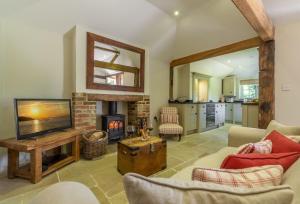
(242, 135)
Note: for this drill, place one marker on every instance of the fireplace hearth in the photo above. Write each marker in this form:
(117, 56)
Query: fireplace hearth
(113, 123)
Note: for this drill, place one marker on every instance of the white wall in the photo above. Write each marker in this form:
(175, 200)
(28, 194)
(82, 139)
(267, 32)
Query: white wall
(287, 72)
(33, 68)
(214, 24)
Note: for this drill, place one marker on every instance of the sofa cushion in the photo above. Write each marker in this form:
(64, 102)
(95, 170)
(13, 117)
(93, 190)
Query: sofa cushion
(262, 147)
(284, 129)
(140, 189)
(240, 161)
(281, 143)
(290, 177)
(210, 161)
(169, 128)
(241, 178)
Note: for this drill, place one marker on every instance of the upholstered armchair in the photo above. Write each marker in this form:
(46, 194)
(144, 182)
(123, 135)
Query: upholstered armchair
(169, 122)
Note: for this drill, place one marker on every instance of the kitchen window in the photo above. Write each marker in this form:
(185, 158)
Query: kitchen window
(249, 91)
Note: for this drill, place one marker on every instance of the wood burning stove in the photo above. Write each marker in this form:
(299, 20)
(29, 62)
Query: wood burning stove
(113, 123)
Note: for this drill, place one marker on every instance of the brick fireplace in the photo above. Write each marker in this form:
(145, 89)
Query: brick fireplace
(84, 108)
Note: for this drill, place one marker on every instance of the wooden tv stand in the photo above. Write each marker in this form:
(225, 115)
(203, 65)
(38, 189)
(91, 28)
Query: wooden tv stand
(35, 147)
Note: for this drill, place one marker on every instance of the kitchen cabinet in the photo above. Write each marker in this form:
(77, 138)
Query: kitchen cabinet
(191, 117)
(219, 114)
(188, 117)
(229, 112)
(201, 117)
(237, 113)
(250, 116)
(229, 86)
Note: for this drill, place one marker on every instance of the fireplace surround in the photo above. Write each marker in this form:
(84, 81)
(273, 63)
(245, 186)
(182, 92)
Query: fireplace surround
(84, 108)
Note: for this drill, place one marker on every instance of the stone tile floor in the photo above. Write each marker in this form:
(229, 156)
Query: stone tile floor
(102, 177)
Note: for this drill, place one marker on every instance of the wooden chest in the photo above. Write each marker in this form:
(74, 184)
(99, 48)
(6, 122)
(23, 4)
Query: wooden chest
(142, 157)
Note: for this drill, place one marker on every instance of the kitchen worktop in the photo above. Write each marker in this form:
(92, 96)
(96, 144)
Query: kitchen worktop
(250, 103)
(191, 102)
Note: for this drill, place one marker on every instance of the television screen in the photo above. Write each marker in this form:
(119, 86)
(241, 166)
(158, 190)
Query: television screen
(39, 116)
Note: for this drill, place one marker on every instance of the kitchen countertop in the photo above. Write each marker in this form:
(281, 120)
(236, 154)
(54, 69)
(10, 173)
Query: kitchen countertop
(250, 103)
(191, 102)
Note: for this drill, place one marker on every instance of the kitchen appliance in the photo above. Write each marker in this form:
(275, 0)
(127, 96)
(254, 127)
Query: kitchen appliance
(210, 116)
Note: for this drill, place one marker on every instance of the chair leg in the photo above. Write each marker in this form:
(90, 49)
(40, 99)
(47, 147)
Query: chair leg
(179, 137)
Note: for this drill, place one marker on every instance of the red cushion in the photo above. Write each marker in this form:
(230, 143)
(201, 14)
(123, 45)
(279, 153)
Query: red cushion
(281, 143)
(241, 161)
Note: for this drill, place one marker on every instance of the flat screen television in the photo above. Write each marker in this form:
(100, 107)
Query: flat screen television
(35, 117)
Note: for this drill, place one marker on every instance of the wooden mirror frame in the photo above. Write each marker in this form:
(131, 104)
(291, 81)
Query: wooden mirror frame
(90, 84)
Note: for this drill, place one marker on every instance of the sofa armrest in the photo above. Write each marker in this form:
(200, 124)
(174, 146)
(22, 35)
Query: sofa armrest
(243, 135)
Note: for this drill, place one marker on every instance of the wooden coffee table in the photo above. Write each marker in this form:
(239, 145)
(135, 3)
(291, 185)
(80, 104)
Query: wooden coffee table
(142, 157)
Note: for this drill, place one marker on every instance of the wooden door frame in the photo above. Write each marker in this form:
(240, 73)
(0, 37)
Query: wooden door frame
(266, 72)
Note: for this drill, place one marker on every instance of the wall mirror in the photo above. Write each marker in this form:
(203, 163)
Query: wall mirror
(113, 65)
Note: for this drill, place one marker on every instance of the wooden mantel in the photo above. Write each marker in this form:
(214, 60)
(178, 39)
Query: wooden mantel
(255, 13)
(111, 97)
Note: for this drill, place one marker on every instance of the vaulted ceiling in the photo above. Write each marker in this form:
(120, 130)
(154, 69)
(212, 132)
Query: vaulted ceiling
(184, 7)
(136, 21)
(201, 25)
(283, 11)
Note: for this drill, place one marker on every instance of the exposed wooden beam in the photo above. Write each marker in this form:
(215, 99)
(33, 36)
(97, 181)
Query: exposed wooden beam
(242, 45)
(100, 77)
(266, 84)
(110, 97)
(108, 50)
(117, 67)
(255, 13)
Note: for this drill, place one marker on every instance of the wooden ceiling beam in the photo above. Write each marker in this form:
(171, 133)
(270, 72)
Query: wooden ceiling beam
(255, 13)
(238, 46)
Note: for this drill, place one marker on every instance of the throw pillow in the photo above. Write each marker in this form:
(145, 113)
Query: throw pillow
(281, 143)
(140, 189)
(262, 147)
(242, 178)
(241, 161)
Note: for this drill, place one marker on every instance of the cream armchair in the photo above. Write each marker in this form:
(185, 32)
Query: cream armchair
(169, 122)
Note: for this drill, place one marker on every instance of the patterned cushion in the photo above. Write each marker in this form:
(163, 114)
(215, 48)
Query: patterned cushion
(169, 128)
(262, 147)
(168, 110)
(169, 118)
(241, 178)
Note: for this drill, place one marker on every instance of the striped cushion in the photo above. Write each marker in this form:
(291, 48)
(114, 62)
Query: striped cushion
(169, 118)
(262, 147)
(169, 128)
(168, 110)
(242, 178)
